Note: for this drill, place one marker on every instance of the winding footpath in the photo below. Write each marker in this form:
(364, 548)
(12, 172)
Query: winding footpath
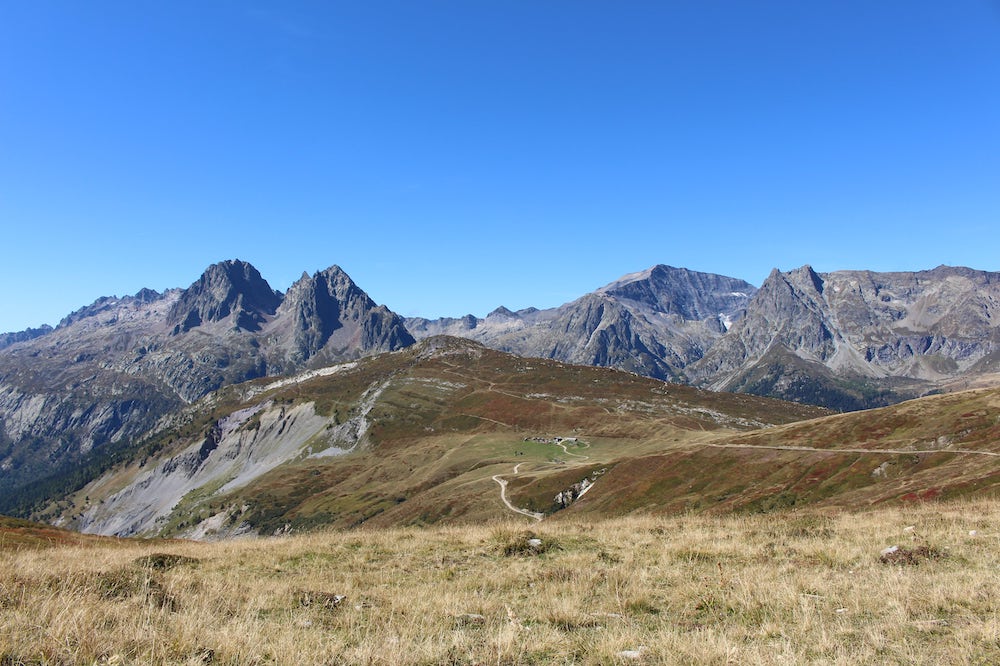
(567, 452)
(503, 496)
(502, 482)
(813, 449)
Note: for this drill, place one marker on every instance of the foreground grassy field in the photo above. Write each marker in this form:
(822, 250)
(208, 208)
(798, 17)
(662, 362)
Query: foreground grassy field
(796, 587)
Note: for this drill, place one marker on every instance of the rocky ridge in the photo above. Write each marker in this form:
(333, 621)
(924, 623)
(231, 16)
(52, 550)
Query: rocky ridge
(856, 339)
(655, 323)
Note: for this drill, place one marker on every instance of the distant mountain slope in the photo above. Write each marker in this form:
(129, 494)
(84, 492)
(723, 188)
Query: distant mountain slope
(855, 339)
(74, 398)
(110, 370)
(450, 431)
(937, 447)
(655, 323)
(7, 339)
(404, 437)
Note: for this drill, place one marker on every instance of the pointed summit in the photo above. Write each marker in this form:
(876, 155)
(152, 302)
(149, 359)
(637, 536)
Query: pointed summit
(806, 277)
(502, 312)
(231, 288)
(329, 315)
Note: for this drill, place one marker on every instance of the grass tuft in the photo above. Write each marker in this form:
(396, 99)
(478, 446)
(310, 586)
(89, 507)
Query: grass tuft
(911, 556)
(522, 543)
(164, 561)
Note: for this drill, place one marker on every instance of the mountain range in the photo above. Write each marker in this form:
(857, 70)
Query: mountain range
(654, 323)
(857, 339)
(75, 399)
(846, 340)
(109, 371)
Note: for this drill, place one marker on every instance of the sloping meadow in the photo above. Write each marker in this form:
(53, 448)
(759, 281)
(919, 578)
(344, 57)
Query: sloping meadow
(791, 587)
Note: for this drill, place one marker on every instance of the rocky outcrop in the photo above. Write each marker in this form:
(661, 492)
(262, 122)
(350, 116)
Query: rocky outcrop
(8, 339)
(229, 290)
(654, 323)
(690, 295)
(854, 339)
(566, 497)
(234, 451)
(327, 317)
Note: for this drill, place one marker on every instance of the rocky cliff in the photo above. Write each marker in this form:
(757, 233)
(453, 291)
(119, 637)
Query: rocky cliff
(327, 318)
(230, 290)
(855, 339)
(7, 339)
(654, 323)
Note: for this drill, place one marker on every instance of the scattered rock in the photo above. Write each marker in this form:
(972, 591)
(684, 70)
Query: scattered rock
(163, 561)
(526, 543)
(469, 620)
(910, 556)
(633, 654)
(909, 528)
(307, 599)
(205, 656)
(881, 470)
(566, 497)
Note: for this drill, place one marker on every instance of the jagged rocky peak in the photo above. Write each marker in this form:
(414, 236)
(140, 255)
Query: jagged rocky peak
(692, 295)
(8, 339)
(891, 334)
(231, 288)
(102, 304)
(783, 293)
(145, 295)
(803, 278)
(320, 301)
(501, 313)
(321, 305)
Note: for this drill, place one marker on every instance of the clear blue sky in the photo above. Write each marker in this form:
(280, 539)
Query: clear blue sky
(455, 156)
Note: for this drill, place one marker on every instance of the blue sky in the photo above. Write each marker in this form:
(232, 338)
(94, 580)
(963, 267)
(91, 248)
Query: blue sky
(455, 156)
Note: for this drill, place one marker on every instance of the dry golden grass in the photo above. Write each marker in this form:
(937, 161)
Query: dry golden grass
(799, 587)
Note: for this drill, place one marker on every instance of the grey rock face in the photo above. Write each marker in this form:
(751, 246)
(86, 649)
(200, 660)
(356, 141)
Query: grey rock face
(110, 370)
(230, 289)
(871, 337)
(655, 323)
(690, 295)
(327, 318)
(8, 339)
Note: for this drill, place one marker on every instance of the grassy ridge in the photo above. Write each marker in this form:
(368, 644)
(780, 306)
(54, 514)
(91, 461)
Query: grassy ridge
(444, 418)
(438, 421)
